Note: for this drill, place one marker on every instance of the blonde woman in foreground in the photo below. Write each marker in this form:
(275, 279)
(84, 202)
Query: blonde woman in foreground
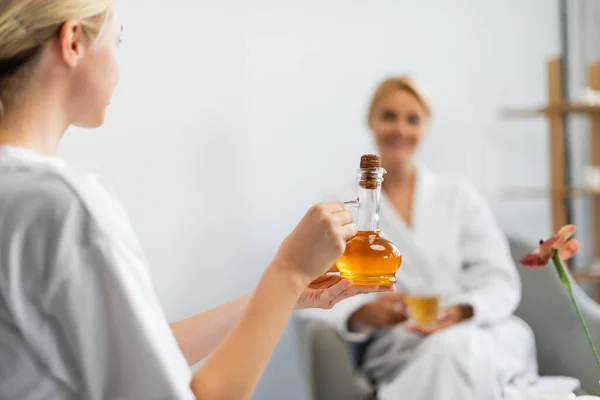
(78, 315)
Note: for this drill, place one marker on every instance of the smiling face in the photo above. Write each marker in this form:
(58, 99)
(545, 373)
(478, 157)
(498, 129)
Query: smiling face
(398, 119)
(398, 124)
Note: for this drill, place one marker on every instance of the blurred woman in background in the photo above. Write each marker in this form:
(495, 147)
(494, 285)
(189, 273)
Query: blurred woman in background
(453, 251)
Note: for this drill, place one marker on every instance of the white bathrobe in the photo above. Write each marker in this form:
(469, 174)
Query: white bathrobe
(79, 318)
(455, 247)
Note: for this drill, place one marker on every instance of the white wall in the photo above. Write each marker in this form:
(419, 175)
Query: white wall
(233, 117)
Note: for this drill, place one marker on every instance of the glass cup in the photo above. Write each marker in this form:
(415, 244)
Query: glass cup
(423, 307)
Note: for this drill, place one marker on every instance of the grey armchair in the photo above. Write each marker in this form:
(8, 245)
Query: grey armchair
(330, 364)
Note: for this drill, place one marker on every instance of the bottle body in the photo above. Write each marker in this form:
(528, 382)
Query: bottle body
(369, 258)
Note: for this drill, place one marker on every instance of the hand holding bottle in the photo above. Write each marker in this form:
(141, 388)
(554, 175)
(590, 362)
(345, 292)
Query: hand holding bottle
(308, 252)
(318, 241)
(329, 289)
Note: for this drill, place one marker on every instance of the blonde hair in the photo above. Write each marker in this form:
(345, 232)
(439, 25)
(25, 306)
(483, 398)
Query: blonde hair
(26, 25)
(404, 83)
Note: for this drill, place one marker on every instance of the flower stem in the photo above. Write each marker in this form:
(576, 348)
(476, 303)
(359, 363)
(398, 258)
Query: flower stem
(564, 279)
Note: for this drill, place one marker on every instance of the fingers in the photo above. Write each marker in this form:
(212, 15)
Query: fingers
(323, 279)
(424, 329)
(351, 291)
(343, 217)
(377, 315)
(385, 316)
(392, 317)
(391, 288)
(418, 329)
(348, 231)
(444, 315)
(452, 313)
(338, 217)
(354, 290)
(396, 310)
(444, 324)
(334, 206)
(340, 213)
(429, 329)
(358, 289)
(336, 291)
(441, 326)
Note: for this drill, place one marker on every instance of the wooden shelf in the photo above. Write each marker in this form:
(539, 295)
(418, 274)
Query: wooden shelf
(585, 276)
(560, 190)
(558, 109)
(536, 193)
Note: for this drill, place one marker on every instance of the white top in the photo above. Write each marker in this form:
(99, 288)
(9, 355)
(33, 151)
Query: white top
(79, 318)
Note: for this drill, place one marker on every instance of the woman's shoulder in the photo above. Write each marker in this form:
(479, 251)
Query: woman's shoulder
(53, 195)
(38, 191)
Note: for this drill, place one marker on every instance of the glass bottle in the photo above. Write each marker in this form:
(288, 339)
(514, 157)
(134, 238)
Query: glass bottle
(369, 258)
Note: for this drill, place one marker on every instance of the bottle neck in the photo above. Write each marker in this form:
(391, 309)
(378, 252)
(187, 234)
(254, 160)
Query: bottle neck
(368, 209)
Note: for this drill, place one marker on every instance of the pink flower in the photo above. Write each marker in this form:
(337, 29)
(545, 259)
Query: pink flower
(560, 242)
(558, 248)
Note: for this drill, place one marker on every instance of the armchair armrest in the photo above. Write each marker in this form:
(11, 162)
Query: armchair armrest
(328, 365)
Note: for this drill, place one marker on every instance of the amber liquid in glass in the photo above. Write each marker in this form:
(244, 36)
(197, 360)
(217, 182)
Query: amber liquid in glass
(370, 260)
(423, 309)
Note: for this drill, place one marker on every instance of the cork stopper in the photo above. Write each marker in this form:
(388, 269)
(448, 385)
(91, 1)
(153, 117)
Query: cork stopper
(369, 161)
(369, 177)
